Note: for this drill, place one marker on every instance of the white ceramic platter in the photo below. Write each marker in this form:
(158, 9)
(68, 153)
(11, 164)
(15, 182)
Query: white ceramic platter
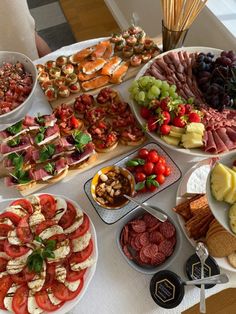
(136, 108)
(90, 271)
(222, 262)
(220, 209)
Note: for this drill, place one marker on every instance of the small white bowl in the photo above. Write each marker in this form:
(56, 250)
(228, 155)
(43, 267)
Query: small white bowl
(20, 111)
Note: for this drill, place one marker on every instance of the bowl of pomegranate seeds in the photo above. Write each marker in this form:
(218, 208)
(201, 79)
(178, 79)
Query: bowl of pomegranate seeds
(18, 79)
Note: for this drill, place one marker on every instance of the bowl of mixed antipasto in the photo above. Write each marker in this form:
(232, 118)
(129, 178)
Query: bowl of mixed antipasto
(48, 254)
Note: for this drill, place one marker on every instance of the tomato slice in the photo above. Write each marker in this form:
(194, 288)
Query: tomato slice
(82, 229)
(15, 250)
(3, 264)
(24, 276)
(63, 293)
(44, 225)
(4, 229)
(74, 275)
(13, 217)
(44, 302)
(5, 285)
(58, 237)
(48, 205)
(24, 204)
(50, 276)
(69, 216)
(23, 230)
(20, 300)
(81, 256)
(2, 245)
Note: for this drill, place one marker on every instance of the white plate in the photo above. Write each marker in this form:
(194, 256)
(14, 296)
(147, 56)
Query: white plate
(136, 108)
(220, 209)
(222, 262)
(89, 273)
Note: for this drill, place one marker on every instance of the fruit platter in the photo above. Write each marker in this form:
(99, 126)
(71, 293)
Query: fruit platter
(30, 278)
(185, 100)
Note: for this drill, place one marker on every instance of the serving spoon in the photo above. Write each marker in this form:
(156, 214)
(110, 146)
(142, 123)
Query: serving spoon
(154, 212)
(217, 279)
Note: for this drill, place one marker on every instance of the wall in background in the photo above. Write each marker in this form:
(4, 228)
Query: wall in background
(206, 31)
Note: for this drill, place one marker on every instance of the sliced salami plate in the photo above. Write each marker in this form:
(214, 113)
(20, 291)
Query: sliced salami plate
(136, 108)
(182, 196)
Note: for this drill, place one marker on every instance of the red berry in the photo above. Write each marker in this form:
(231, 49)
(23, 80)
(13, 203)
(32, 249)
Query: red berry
(165, 117)
(167, 171)
(159, 168)
(181, 110)
(153, 156)
(140, 176)
(148, 168)
(188, 108)
(179, 122)
(143, 153)
(145, 113)
(152, 124)
(164, 104)
(165, 129)
(162, 160)
(160, 178)
(194, 117)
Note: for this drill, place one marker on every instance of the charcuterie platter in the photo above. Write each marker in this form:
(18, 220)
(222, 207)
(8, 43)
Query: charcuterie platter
(186, 86)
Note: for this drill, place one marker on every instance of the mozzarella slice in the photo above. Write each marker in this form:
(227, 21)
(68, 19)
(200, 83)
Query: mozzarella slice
(14, 266)
(16, 209)
(61, 252)
(33, 307)
(87, 263)
(60, 209)
(9, 297)
(35, 201)
(37, 283)
(52, 298)
(13, 238)
(81, 243)
(51, 231)
(72, 286)
(60, 273)
(6, 221)
(4, 273)
(78, 221)
(36, 218)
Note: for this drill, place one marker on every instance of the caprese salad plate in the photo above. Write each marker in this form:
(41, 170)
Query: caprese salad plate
(172, 79)
(48, 254)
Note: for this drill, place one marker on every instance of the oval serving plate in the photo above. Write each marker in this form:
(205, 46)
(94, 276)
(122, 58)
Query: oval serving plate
(69, 305)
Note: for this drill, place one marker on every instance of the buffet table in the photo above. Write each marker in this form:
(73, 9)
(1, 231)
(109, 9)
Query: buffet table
(116, 287)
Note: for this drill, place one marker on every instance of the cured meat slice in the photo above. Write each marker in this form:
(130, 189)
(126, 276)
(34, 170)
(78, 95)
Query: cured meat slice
(143, 258)
(150, 250)
(220, 146)
(158, 259)
(166, 247)
(167, 229)
(210, 145)
(225, 138)
(150, 220)
(138, 225)
(156, 237)
(144, 238)
(127, 252)
(232, 134)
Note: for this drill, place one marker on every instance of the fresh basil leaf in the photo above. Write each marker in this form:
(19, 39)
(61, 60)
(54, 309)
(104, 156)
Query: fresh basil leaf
(140, 161)
(39, 138)
(38, 264)
(17, 160)
(14, 142)
(49, 168)
(46, 152)
(48, 254)
(15, 128)
(51, 244)
(38, 239)
(155, 183)
(81, 139)
(21, 176)
(42, 129)
(139, 186)
(132, 163)
(39, 119)
(151, 177)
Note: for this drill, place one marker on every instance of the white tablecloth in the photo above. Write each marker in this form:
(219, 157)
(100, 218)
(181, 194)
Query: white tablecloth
(116, 287)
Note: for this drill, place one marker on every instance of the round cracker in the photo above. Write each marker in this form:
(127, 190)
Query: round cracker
(232, 259)
(221, 244)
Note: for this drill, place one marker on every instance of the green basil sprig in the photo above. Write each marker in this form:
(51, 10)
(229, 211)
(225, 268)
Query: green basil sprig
(15, 128)
(46, 152)
(135, 162)
(17, 160)
(81, 139)
(14, 142)
(49, 167)
(40, 136)
(150, 180)
(21, 176)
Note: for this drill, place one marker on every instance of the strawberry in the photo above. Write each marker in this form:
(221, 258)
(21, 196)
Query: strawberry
(152, 124)
(179, 122)
(188, 108)
(164, 104)
(180, 111)
(145, 113)
(164, 117)
(165, 129)
(194, 117)
(154, 104)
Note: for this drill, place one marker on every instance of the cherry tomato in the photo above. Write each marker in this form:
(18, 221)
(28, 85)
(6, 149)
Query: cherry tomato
(69, 216)
(148, 168)
(162, 160)
(20, 300)
(5, 285)
(153, 156)
(74, 122)
(139, 169)
(24, 276)
(62, 293)
(23, 230)
(3, 264)
(165, 129)
(167, 171)
(140, 176)
(160, 178)
(44, 225)
(145, 112)
(143, 153)
(43, 301)
(48, 205)
(13, 217)
(159, 168)
(15, 250)
(143, 190)
(152, 188)
(82, 229)
(4, 229)
(81, 256)
(74, 275)
(25, 204)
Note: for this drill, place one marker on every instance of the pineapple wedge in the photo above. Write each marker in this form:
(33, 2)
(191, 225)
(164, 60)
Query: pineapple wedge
(192, 140)
(232, 218)
(195, 127)
(176, 129)
(171, 140)
(221, 181)
(231, 195)
(175, 134)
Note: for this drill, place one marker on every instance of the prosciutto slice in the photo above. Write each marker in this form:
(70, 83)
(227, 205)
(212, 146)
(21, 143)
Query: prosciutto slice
(24, 143)
(231, 133)
(77, 157)
(210, 144)
(220, 145)
(225, 138)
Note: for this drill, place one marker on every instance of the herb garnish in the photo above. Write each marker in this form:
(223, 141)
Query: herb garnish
(40, 119)
(49, 168)
(40, 136)
(21, 176)
(46, 152)
(81, 139)
(17, 160)
(135, 162)
(36, 258)
(14, 142)
(149, 182)
(15, 128)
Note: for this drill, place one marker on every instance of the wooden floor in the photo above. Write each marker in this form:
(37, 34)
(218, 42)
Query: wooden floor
(91, 19)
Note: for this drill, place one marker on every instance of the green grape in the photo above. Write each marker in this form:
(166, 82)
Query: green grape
(155, 90)
(158, 83)
(173, 88)
(165, 86)
(135, 90)
(141, 96)
(164, 94)
(143, 81)
(134, 84)
(150, 95)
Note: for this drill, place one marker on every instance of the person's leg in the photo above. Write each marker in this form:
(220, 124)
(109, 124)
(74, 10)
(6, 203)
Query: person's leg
(42, 46)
